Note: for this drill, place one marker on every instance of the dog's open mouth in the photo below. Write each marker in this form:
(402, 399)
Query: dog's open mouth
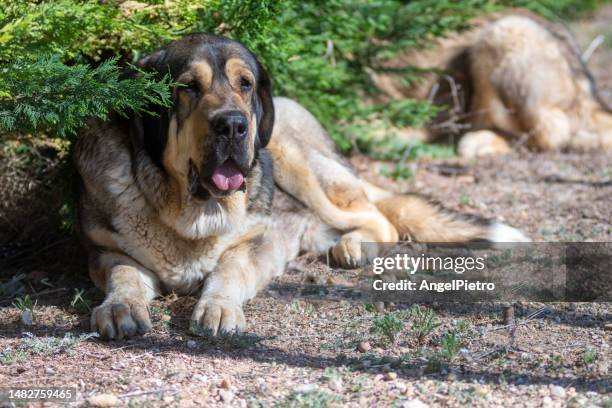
(228, 177)
(225, 179)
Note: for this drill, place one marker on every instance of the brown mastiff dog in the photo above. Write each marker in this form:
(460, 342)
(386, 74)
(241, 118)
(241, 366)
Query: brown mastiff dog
(215, 195)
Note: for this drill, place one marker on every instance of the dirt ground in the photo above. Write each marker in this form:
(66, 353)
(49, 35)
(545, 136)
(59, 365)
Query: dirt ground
(309, 344)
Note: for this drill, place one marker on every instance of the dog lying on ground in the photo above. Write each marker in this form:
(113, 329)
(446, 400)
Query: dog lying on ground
(219, 192)
(512, 76)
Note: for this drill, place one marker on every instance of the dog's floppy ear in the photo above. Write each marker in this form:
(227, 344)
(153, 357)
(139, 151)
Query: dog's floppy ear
(266, 111)
(149, 128)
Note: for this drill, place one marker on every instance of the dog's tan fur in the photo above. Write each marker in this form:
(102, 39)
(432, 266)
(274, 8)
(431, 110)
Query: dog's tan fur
(156, 226)
(515, 75)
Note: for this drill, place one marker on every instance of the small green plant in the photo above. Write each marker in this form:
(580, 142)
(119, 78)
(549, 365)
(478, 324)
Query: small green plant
(330, 373)
(589, 357)
(449, 345)
(424, 321)
(303, 308)
(388, 326)
(24, 304)
(311, 399)
(79, 303)
(466, 397)
(370, 307)
(557, 360)
(465, 200)
(9, 356)
(160, 310)
(463, 326)
(399, 172)
(395, 148)
(606, 402)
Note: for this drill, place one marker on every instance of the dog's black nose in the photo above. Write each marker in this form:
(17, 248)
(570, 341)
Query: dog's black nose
(231, 124)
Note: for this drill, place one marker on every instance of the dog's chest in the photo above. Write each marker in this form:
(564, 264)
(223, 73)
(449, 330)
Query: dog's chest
(180, 264)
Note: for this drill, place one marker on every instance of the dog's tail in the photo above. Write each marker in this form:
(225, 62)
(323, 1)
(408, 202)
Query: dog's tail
(419, 219)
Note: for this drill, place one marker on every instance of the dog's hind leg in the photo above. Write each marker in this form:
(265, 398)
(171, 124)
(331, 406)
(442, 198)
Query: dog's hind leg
(339, 201)
(307, 168)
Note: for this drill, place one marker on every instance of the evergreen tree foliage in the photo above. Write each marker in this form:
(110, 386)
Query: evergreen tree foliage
(60, 60)
(47, 95)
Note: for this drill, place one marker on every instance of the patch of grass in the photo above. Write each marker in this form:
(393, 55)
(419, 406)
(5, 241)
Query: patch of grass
(358, 383)
(589, 357)
(164, 315)
(606, 402)
(312, 399)
(463, 327)
(52, 345)
(449, 345)
(424, 321)
(26, 307)
(155, 402)
(370, 307)
(330, 373)
(398, 172)
(79, 303)
(303, 308)
(24, 304)
(402, 150)
(426, 358)
(389, 326)
(160, 310)
(350, 336)
(608, 171)
(466, 200)
(556, 360)
(466, 396)
(256, 403)
(452, 340)
(9, 356)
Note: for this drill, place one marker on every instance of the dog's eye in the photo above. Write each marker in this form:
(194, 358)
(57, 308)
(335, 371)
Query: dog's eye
(192, 87)
(245, 84)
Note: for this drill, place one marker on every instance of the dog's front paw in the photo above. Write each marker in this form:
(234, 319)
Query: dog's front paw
(217, 315)
(119, 319)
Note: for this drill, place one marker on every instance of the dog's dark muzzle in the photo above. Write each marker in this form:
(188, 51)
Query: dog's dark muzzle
(230, 138)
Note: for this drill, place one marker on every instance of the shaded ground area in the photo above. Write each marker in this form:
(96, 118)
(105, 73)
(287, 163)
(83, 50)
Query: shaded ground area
(303, 343)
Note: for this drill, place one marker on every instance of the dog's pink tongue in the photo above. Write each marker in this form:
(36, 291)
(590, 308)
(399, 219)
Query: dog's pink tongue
(228, 176)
